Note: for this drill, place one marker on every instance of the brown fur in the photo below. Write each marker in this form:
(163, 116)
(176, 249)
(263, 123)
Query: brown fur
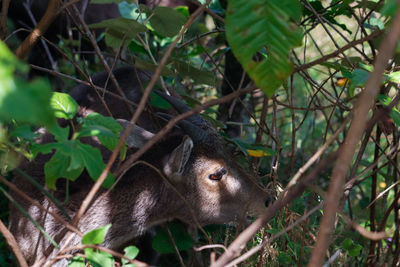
(143, 198)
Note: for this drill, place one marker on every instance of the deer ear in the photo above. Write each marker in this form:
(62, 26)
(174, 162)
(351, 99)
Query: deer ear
(177, 160)
(137, 137)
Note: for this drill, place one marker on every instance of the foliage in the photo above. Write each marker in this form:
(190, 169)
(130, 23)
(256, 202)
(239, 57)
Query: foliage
(292, 51)
(272, 26)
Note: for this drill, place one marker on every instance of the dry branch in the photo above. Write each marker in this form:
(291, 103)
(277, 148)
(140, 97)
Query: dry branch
(49, 16)
(3, 19)
(13, 245)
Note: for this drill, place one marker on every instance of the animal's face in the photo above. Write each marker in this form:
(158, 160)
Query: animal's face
(218, 190)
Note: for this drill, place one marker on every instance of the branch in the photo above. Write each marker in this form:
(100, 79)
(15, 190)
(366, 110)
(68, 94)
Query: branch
(13, 245)
(337, 52)
(49, 16)
(346, 153)
(3, 19)
(35, 203)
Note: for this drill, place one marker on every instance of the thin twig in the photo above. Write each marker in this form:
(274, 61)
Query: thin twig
(49, 16)
(338, 51)
(12, 243)
(171, 238)
(32, 201)
(3, 19)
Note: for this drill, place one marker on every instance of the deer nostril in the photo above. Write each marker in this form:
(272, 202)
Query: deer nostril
(268, 201)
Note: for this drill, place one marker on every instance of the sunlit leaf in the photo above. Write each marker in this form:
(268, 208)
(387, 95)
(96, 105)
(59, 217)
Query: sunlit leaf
(99, 258)
(96, 236)
(64, 105)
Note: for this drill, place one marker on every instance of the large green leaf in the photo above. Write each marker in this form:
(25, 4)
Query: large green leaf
(107, 129)
(64, 105)
(58, 167)
(26, 102)
(21, 101)
(95, 237)
(254, 25)
(199, 76)
(93, 162)
(167, 21)
(70, 159)
(119, 29)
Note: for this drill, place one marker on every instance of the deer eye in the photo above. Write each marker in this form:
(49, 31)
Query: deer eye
(217, 175)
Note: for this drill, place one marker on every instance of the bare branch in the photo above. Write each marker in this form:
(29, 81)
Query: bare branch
(49, 16)
(13, 245)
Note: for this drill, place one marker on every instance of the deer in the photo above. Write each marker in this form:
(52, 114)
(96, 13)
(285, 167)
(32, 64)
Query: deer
(189, 176)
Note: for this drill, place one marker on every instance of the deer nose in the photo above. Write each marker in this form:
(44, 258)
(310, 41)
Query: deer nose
(268, 201)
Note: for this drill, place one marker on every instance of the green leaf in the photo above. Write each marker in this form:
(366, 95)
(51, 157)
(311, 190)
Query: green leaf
(375, 23)
(132, 11)
(95, 130)
(107, 129)
(25, 132)
(159, 102)
(96, 236)
(347, 244)
(119, 29)
(384, 99)
(93, 162)
(60, 134)
(184, 10)
(355, 250)
(58, 167)
(9, 63)
(70, 159)
(108, 122)
(167, 21)
(395, 115)
(360, 77)
(44, 148)
(389, 8)
(394, 77)
(131, 252)
(162, 243)
(25, 102)
(197, 75)
(76, 262)
(64, 105)
(252, 25)
(99, 258)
